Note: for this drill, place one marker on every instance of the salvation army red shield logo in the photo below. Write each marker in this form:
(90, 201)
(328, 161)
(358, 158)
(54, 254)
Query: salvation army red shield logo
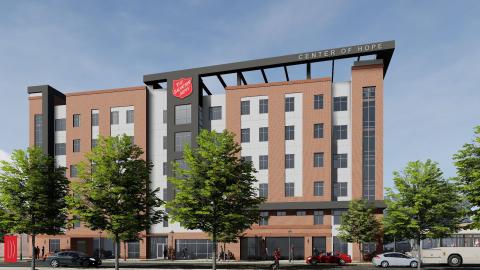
(182, 87)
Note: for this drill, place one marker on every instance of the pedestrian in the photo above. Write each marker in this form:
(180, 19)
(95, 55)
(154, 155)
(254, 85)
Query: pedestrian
(266, 254)
(221, 256)
(37, 252)
(276, 259)
(165, 253)
(185, 252)
(43, 252)
(315, 252)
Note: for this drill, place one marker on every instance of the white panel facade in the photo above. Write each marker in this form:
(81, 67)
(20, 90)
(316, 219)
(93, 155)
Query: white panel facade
(344, 146)
(60, 112)
(122, 127)
(295, 146)
(254, 121)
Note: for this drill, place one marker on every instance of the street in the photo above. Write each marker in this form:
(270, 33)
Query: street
(203, 264)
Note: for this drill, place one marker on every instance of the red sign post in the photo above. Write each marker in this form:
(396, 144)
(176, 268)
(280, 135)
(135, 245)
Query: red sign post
(182, 87)
(10, 248)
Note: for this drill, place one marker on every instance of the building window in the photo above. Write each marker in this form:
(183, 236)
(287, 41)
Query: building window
(246, 158)
(368, 151)
(263, 219)
(317, 217)
(164, 142)
(340, 104)
(164, 168)
(339, 245)
(164, 115)
(281, 213)
(337, 216)
(318, 160)
(263, 162)
(54, 245)
(289, 104)
(215, 113)
(301, 213)
(76, 223)
(289, 189)
(60, 149)
(73, 171)
(130, 116)
(289, 161)
(133, 249)
(263, 106)
(340, 132)
(318, 102)
(340, 161)
(182, 138)
(318, 188)
(340, 189)
(245, 135)
(263, 190)
(183, 114)
(94, 119)
(289, 132)
(263, 134)
(76, 120)
(114, 118)
(318, 131)
(60, 124)
(245, 107)
(38, 130)
(76, 145)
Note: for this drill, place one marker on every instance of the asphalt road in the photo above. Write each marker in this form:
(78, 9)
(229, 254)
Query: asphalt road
(152, 265)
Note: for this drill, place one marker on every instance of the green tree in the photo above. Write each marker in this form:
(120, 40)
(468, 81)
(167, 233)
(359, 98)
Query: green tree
(467, 161)
(114, 193)
(215, 188)
(359, 224)
(424, 205)
(32, 194)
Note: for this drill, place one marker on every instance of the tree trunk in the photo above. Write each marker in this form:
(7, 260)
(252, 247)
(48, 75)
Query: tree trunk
(214, 255)
(34, 257)
(117, 251)
(419, 243)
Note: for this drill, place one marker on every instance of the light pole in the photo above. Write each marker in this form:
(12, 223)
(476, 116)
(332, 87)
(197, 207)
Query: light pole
(289, 246)
(100, 245)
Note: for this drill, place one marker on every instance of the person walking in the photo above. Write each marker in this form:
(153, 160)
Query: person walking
(276, 259)
(37, 252)
(292, 253)
(315, 252)
(43, 252)
(266, 254)
(165, 253)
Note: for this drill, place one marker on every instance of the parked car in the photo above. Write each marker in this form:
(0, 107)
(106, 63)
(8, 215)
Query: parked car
(394, 259)
(330, 257)
(72, 258)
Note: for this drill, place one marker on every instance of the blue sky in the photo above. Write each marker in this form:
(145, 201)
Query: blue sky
(432, 97)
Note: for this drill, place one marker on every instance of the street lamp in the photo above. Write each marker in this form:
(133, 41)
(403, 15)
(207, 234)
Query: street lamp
(289, 246)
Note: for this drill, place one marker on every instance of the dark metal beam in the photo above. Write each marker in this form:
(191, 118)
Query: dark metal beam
(286, 73)
(264, 75)
(241, 78)
(382, 50)
(221, 80)
(205, 88)
(333, 69)
(309, 71)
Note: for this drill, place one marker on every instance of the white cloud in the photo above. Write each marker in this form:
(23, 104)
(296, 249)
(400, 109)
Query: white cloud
(4, 155)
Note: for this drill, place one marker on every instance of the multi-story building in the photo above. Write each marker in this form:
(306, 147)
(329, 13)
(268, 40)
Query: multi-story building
(317, 144)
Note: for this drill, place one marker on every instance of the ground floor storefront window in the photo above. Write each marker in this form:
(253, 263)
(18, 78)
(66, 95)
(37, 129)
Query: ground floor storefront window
(105, 246)
(189, 249)
(252, 248)
(339, 245)
(319, 244)
(133, 248)
(293, 246)
(54, 245)
(158, 248)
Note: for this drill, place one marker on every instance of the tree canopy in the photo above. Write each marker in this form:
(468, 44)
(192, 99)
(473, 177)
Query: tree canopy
(114, 193)
(423, 204)
(32, 194)
(215, 189)
(467, 161)
(359, 224)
